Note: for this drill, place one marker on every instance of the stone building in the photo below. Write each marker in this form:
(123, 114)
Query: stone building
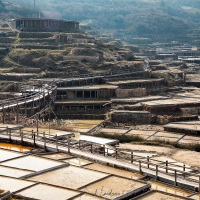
(44, 25)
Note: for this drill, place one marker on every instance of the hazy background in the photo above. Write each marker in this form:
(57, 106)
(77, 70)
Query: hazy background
(134, 16)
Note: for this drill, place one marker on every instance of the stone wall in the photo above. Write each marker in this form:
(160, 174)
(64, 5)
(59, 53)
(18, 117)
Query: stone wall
(189, 110)
(35, 35)
(7, 40)
(138, 92)
(131, 117)
(90, 59)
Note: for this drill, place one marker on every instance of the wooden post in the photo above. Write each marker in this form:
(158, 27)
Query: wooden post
(33, 106)
(79, 144)
(140, 166)
(199, 184)
(91, 148)
(131, 157)
(17, 119)
(22, 135)
(175, 178)
(56, 143)
(116, 152)
(10, 136)
(37, 118)
(44, 98)
(104, 150)
(148, 162)
(34, 140)
(184, 168)
(25, 108)
(68, 144)
(44, 137)
(166, 166)
(3, 117)
(156, 172)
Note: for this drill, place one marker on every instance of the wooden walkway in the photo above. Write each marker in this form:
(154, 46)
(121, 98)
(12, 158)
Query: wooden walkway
(165, 174)
(37, 95)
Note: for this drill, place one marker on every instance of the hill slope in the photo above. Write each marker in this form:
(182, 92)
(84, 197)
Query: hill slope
(140, 16)
(134, 17)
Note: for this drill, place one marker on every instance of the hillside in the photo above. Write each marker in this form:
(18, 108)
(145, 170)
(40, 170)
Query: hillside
(10, 9)
(136, 16)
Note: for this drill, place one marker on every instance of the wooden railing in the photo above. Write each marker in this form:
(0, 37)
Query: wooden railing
(176, 172)
(96, 129)
(33, 99)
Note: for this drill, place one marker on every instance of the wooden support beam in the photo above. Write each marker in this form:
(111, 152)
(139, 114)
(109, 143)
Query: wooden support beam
(199, 184)
(175, 177)
(148, 162)
(156, 172)
(166, 166)
(56, 143)
(22, 137)
(34, 140)
(140, 167)
(44, 138)
(68, 144)
(131, 157)
(17, 117)
(10, 136)
(91, 148)
(3, 117)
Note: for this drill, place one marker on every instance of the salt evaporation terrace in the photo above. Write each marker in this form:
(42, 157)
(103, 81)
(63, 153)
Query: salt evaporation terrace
(66, 176)
(51, 177)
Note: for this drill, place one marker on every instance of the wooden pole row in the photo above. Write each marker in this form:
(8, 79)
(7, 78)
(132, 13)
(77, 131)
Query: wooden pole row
(9, 132)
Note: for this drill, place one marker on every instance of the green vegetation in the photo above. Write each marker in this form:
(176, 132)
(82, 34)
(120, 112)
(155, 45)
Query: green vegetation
(121, 138)
(134, 16)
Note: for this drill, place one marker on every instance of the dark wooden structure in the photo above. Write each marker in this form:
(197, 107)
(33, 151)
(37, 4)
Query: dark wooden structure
(44, 25)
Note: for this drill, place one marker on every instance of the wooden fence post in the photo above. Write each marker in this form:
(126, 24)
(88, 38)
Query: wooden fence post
(131, 157)
(91, 147)
(44, 137)
(17, 119)
(34, 140)
(175, 178)
(166, 166)
(156, 172)
(56, 143)
(199, 184)
(148, 162)
(68, 144)
(3, 117)
(10, 135)
(22, 135)
(79, 144)
(140, 166)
